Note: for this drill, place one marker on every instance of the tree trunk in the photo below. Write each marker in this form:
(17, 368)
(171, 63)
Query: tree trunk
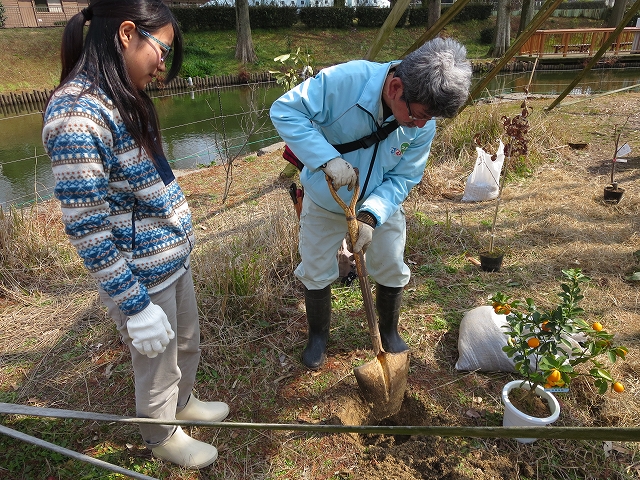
(433, 14)
(526, 15)
(617, 13)
(244, 44)
(503, 29)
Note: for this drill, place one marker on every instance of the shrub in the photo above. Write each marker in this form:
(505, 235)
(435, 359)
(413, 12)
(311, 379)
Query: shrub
(486, 35)
(473, 11)
(269, 16)
(223, 17)
(418, 16)
(3, 17)
(375, 16)
(327, 17)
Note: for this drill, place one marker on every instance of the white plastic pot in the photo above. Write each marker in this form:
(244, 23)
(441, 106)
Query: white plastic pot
(515, 418)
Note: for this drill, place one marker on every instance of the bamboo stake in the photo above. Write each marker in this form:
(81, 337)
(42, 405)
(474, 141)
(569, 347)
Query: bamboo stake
(436, 27)
(627, 434)
(605, 46)
(387, 27)
(592, 97)
(71, 453)
(545, 12)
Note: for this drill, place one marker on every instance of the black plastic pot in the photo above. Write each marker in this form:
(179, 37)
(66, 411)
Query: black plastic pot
(491, 261)
(613, 193)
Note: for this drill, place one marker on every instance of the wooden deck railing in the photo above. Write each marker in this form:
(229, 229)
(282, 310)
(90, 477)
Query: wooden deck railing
(580, 42)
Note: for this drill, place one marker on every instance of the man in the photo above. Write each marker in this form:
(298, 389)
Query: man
(343, 104)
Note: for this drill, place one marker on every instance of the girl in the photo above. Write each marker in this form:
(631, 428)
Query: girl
(124, 211)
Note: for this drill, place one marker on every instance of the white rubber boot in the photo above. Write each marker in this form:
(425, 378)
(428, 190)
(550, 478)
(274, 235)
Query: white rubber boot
(205, 411)
(185, 451)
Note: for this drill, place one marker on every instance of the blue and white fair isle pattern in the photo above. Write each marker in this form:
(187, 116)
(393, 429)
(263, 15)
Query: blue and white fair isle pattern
(104, 181)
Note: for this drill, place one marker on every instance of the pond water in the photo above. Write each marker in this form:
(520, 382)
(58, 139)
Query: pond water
(202, 127)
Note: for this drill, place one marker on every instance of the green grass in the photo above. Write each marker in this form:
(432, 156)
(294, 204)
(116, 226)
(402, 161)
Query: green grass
(29, 58)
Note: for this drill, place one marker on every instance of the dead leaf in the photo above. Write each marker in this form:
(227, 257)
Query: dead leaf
(471, 413)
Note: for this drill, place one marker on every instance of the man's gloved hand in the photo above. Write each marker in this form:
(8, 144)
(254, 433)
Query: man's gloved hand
(150, 330)
(365, 234)
(366, 224)
(341, 173)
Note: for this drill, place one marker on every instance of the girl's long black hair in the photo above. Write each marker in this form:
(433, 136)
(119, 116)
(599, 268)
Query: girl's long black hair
(99, 56)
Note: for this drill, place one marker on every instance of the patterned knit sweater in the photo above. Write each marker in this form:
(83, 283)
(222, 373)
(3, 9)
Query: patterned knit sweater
(132, 228)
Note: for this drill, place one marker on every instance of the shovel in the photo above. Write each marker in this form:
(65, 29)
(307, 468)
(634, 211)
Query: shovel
(383, 380)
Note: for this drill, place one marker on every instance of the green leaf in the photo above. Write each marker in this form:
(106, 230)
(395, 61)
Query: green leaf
(634, 277)
(282, 58)
(604, 374)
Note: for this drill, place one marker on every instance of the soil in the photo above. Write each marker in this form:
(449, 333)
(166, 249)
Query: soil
(529, 403)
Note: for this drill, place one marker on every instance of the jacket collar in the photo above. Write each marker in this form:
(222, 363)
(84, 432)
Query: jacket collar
(371, 98)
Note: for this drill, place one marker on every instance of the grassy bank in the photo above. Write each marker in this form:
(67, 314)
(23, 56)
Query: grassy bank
(29, 57)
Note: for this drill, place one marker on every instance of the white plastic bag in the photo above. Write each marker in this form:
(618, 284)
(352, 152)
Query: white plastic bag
(484, 182)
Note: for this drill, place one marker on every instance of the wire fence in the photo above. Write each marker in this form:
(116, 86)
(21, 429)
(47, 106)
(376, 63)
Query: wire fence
(210, 152)
(223, 145)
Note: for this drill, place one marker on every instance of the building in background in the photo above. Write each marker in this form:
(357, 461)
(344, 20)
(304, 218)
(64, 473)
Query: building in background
(53, 13)
(40, 13)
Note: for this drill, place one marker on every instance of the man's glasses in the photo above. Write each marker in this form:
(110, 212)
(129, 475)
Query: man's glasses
(411, 117)
(166, 49)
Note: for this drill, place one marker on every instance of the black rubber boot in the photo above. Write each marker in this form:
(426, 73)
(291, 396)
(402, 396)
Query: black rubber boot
(388, 300)
(318, 306)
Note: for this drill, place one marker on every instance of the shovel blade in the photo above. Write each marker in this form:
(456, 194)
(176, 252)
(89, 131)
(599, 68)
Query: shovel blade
(383, 382)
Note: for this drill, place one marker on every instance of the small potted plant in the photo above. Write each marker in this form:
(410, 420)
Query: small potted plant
(613, 192)
(515, 129)
(549, 349)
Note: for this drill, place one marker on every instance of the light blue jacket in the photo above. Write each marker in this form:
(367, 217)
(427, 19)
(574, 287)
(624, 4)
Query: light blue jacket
(341, 104)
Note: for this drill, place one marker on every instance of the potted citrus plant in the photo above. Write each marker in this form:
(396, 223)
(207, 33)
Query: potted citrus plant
(549, 349)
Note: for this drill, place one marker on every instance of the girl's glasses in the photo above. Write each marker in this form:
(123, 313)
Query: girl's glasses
(166, 49)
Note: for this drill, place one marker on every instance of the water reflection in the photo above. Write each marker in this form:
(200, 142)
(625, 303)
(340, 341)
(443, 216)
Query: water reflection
(201, 127)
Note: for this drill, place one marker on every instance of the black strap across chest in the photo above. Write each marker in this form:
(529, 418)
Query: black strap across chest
(368, 141)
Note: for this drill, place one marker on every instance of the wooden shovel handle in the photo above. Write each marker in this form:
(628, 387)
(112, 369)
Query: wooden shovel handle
(361, 269)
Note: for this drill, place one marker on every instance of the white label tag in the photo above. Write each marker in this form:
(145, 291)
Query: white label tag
(623, 150)
(557, 390)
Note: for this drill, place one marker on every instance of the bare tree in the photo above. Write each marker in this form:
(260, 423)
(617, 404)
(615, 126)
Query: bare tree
(244, 45)
(252, 122)
(433, 14)
(526, 15)
(502, 38)
(617, 13)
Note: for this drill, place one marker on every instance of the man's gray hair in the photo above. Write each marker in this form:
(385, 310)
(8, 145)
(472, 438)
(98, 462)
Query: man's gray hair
(438, 76)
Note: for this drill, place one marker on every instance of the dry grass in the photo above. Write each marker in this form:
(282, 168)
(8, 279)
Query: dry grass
(61, 351)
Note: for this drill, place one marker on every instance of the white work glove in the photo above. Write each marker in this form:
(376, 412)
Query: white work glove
(365, 234)
(341, 173)
(366, 224)
(150, 330)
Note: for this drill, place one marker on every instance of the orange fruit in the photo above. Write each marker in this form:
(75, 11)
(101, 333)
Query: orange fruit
(618, 387)
(545, 327)
(554, 376)
(502, 309)
(597, 326)
(533, 342)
